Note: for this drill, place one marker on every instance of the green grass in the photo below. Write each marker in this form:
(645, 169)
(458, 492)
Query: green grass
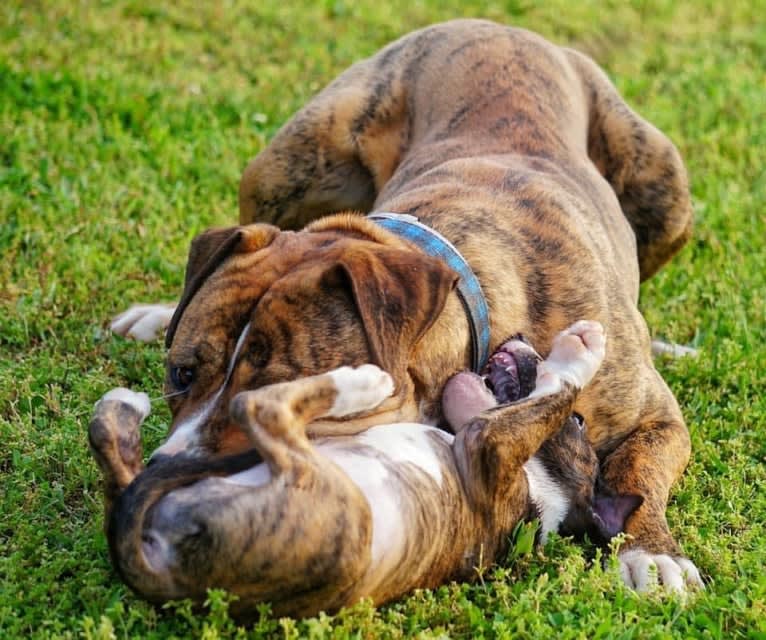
(124, 127)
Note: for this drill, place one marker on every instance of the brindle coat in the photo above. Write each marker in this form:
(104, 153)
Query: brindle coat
(309, 536)
(525, 157)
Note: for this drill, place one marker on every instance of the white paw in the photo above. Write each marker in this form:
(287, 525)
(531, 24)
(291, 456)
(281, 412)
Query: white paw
(642, 571)
(576, 355)
(138, 400)
(360, 389)
(143, 322)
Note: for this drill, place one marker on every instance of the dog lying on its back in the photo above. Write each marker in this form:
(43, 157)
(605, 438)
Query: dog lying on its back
(319, 526)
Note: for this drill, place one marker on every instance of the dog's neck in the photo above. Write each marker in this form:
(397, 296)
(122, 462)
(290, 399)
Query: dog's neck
(468, 288)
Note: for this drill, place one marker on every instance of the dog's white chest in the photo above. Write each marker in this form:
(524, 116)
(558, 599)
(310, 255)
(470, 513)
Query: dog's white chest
(383, 477)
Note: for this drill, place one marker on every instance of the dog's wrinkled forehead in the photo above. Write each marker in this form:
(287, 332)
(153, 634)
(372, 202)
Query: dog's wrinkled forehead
(221, 305)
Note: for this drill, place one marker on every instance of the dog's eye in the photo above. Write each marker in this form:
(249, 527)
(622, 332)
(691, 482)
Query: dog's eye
(181, 377)
(579, 420)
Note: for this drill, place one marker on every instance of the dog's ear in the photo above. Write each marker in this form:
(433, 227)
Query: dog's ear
(610, 511)
(210, 248)
(399, 294)
(208, 251)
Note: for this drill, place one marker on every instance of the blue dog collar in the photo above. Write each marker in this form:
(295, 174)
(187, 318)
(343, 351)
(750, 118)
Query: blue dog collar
(468, 288)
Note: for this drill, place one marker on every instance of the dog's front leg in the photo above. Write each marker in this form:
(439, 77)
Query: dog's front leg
(647, 464)
(642, 166)
(115, 440)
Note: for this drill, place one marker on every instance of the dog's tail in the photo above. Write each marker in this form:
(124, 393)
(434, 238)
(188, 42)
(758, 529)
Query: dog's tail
(642, 165)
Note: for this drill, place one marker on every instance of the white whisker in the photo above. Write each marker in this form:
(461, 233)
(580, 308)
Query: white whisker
(166, 396)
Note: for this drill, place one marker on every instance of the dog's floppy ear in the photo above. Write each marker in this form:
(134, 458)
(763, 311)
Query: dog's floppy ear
(208, 251)
(610, 511)
(399, 294)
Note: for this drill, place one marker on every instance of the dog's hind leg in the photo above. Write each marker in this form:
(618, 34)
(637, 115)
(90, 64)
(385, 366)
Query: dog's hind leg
(643, 167)
(296, 534)
(319, 162)
(275, 417)
(339, 150)
(311, 527)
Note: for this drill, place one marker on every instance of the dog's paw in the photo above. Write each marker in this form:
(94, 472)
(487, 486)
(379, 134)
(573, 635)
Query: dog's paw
(643, 571)
(143, 322)
(359, 389)
(114, 434)
(137, 400)
(576, 355)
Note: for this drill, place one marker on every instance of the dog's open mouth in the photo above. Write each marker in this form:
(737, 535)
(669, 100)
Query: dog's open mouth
(512, 370)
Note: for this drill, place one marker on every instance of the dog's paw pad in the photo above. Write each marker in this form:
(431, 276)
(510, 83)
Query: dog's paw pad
(577, 353)
(359, 389)
(143, 322)
(643, 571)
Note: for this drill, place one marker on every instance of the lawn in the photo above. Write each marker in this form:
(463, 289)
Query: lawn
(124, 127)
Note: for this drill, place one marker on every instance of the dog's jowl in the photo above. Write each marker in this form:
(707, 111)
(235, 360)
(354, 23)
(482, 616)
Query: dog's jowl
(524, 159)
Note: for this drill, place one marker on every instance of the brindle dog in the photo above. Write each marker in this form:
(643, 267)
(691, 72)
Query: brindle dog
(320, 525)
(526, 158)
